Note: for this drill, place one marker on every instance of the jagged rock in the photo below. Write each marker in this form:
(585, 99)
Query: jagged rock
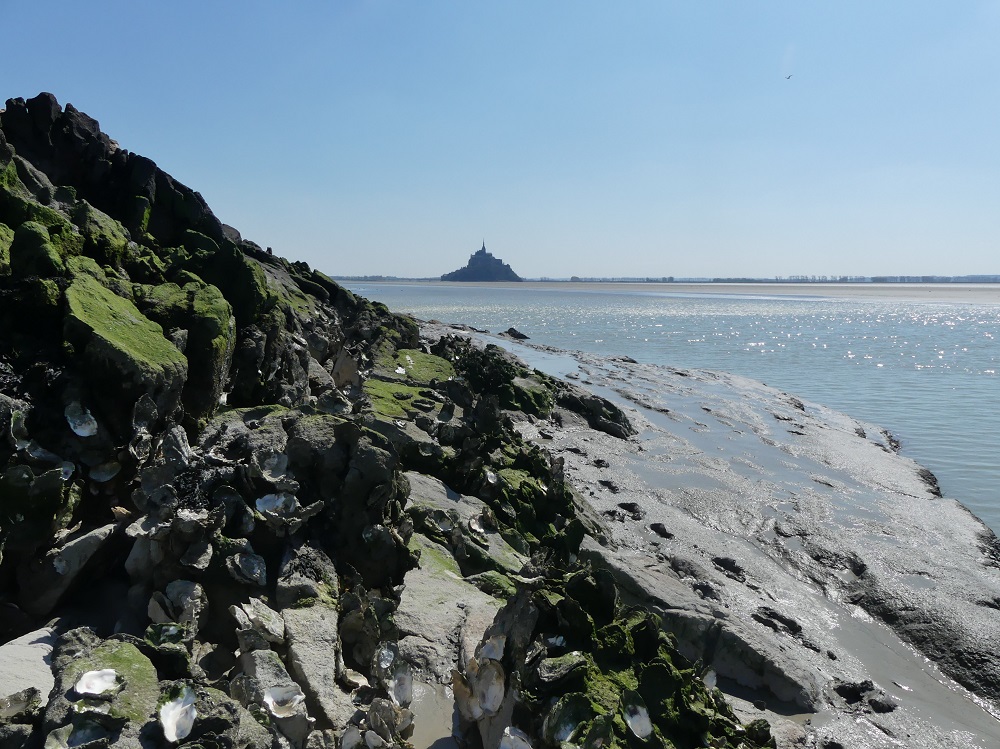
(202, 311)
(182, 601)
(146, 317)
(126, 355)
(45, 580)
(315, 660)
(435, 604)
(32, 253)
(264, 682)
(464, 524)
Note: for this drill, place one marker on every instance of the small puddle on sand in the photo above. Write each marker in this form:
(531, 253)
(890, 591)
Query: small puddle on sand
(433, 709)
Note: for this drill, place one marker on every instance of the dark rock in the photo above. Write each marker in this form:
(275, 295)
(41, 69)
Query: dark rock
(730, 566)
(661, 530)
(515, 334)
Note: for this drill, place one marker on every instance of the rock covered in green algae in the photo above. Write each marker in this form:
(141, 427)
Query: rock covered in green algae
(32, 253)
(249, 426)
(577, 667)
(119, 345)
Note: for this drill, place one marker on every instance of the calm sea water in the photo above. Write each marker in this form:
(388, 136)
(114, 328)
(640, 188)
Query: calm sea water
(926, 371)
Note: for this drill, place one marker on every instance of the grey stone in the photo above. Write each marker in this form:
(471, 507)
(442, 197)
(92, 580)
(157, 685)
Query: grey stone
(316, 661)
(44, 581)
(27, 662)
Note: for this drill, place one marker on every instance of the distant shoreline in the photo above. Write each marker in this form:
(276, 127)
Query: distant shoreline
(969, 293)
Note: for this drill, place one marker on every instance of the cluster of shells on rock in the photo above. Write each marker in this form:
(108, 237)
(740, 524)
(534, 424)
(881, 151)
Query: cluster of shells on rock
(480, 690)
(393, 674)
(384, 724)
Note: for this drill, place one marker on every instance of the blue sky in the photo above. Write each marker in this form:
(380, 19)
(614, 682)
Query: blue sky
(576, 137)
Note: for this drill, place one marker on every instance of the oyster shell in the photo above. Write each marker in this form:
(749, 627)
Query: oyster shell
(177, 716)
(382, 717)
(19, 429)
(265, 620)
(76, 734)
(566, 716)
(514, 738)
(80, 420)
(282, 504)
(551, 670)
(247, 568)
(283, 701)
(98, 682)
(492, 648)
(394, 674)
(274, 467)
(636, 715)
(444, 521)
(488, 686)
(468, 707)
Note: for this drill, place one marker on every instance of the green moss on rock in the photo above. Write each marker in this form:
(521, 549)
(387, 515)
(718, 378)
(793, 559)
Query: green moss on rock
(32, 252)
(395, 400)
(104, 239)
(137, 700)
(203, 311)
(126, 353)
(423, 367)
(241, 279)
(6, 238)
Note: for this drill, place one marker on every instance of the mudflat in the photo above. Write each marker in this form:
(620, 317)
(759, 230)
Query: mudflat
(969, 293)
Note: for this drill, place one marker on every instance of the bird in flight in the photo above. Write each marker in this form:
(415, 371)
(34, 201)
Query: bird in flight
(788, 76)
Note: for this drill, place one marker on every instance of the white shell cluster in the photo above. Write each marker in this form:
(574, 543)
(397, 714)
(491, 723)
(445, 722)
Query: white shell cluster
(480, 691)
(178, 715)
(282, 504)
(383, 726)
(394, 674)
(283, 701)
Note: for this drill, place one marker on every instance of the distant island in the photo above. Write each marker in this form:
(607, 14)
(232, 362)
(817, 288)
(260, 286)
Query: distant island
(483, 267)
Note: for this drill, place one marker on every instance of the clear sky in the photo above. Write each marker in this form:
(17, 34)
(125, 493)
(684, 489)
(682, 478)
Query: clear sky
(575, 137)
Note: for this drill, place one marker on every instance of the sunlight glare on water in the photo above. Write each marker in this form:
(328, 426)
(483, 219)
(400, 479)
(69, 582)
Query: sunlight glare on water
(926, 371)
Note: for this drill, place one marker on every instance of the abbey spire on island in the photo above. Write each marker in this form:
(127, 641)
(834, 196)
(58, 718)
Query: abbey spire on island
(483, 266)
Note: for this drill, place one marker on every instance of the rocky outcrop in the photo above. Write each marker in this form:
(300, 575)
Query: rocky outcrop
(482, 266)
(255, 509)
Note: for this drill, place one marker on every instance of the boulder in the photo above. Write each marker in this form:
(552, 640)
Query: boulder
(28, 662)
(204, 313)
(125, 354)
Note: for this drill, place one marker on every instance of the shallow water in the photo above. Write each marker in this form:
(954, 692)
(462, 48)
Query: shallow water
(925, 370)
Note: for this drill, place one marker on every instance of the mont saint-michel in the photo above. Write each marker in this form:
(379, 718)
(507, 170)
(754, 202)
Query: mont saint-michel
(483, 266)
